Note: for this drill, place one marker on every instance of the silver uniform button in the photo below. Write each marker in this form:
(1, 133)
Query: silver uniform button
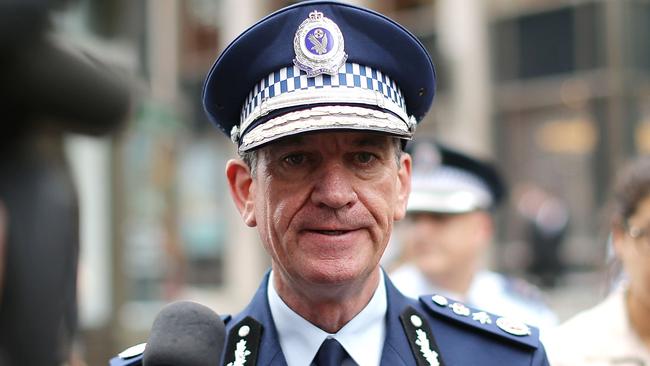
(244, 331)
(416, 321)
(132, 351)
(440, 300)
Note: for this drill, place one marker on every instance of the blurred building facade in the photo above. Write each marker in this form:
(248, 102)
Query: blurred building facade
(555, 90)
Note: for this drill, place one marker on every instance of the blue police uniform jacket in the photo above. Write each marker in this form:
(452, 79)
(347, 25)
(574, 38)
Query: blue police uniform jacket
(457, 335)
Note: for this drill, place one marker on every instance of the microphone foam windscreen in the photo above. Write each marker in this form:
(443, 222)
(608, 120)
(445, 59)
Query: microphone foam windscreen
(185, 333)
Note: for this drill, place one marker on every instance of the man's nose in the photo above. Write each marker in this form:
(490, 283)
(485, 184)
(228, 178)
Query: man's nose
(334, 187)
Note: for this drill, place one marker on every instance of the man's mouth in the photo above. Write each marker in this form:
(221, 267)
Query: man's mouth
(331, 232)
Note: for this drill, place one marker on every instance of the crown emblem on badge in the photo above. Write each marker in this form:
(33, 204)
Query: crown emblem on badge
(316, 15)
(318, 45)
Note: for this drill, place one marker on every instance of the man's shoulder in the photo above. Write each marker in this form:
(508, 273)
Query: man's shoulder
(462, 335)
(459, 318)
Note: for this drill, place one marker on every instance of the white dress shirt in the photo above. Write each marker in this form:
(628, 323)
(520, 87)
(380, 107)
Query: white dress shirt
(362, 337)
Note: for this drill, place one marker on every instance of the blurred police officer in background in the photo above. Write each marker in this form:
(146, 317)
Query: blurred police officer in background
(319, 98)
(46, 91)
(449, 230)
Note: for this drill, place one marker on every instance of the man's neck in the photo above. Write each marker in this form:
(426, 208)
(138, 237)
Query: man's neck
(328, 307)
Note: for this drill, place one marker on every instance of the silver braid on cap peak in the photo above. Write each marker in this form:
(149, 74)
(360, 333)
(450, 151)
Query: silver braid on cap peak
(354, 84)
(325, 118)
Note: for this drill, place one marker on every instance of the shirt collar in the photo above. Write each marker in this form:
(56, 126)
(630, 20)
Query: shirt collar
(362, 337)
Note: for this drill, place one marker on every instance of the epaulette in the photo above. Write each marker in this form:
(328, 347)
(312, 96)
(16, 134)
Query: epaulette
(503, 327)
(131, 356)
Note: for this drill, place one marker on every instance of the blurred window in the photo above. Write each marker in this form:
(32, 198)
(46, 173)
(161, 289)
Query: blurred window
(547, 43)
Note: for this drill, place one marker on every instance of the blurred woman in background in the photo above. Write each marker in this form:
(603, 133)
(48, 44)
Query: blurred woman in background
(617, 331)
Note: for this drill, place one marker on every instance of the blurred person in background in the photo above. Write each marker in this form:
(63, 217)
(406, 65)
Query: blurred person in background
(450, 228)
(46, 91)
(546, 225)
(617, 331)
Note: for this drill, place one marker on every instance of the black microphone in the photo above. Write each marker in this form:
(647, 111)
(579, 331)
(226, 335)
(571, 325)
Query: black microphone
(185, 333)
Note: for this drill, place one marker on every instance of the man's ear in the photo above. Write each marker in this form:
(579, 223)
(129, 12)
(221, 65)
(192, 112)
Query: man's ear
(403, 186)
(240, 182)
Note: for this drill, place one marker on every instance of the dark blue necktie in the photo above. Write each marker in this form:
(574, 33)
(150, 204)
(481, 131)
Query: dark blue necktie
(330, 353)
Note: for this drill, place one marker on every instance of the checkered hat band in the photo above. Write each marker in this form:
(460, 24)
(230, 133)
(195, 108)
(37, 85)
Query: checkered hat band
(351, 75)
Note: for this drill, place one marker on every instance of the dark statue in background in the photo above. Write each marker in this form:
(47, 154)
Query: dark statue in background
(46, 91)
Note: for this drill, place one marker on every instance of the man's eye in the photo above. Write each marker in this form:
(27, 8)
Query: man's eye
(365, 157)
(295, 159)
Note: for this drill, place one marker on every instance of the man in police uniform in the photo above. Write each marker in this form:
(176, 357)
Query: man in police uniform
(449, 229)
(319, 97)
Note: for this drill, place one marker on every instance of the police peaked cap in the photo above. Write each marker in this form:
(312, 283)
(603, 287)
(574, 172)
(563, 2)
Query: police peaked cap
(446, 180)
(284, 74)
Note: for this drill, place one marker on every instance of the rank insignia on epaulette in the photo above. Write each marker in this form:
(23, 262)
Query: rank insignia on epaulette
(514, 327)
(420, 338)
(482, 317)
(504, 327)
(243, 343)
(460, 309)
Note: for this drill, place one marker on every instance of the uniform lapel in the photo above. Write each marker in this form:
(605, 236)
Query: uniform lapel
(397, 350)
(270, 353)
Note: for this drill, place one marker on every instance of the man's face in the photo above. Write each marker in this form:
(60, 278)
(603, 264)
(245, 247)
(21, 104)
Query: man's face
(324, 203)
(442, 244)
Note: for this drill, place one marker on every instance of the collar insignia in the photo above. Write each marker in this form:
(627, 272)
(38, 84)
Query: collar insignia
(318, 45)
(243, 343)
(423, 344)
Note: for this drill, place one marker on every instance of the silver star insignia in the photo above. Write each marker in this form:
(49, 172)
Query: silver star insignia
(460, 309)
(482, 317)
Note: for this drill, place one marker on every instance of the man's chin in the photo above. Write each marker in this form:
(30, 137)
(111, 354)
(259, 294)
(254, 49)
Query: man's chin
(333, 275)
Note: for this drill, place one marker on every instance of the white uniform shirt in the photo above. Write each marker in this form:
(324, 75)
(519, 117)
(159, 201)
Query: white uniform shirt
(362, 337)
(600, 336)
(488, 291)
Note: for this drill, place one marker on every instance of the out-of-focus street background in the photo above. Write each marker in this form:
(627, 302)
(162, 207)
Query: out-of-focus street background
(556, 91)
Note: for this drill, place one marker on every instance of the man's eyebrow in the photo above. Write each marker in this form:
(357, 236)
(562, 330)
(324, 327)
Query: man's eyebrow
(292, 141)
(287, 142)
(371, 141)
